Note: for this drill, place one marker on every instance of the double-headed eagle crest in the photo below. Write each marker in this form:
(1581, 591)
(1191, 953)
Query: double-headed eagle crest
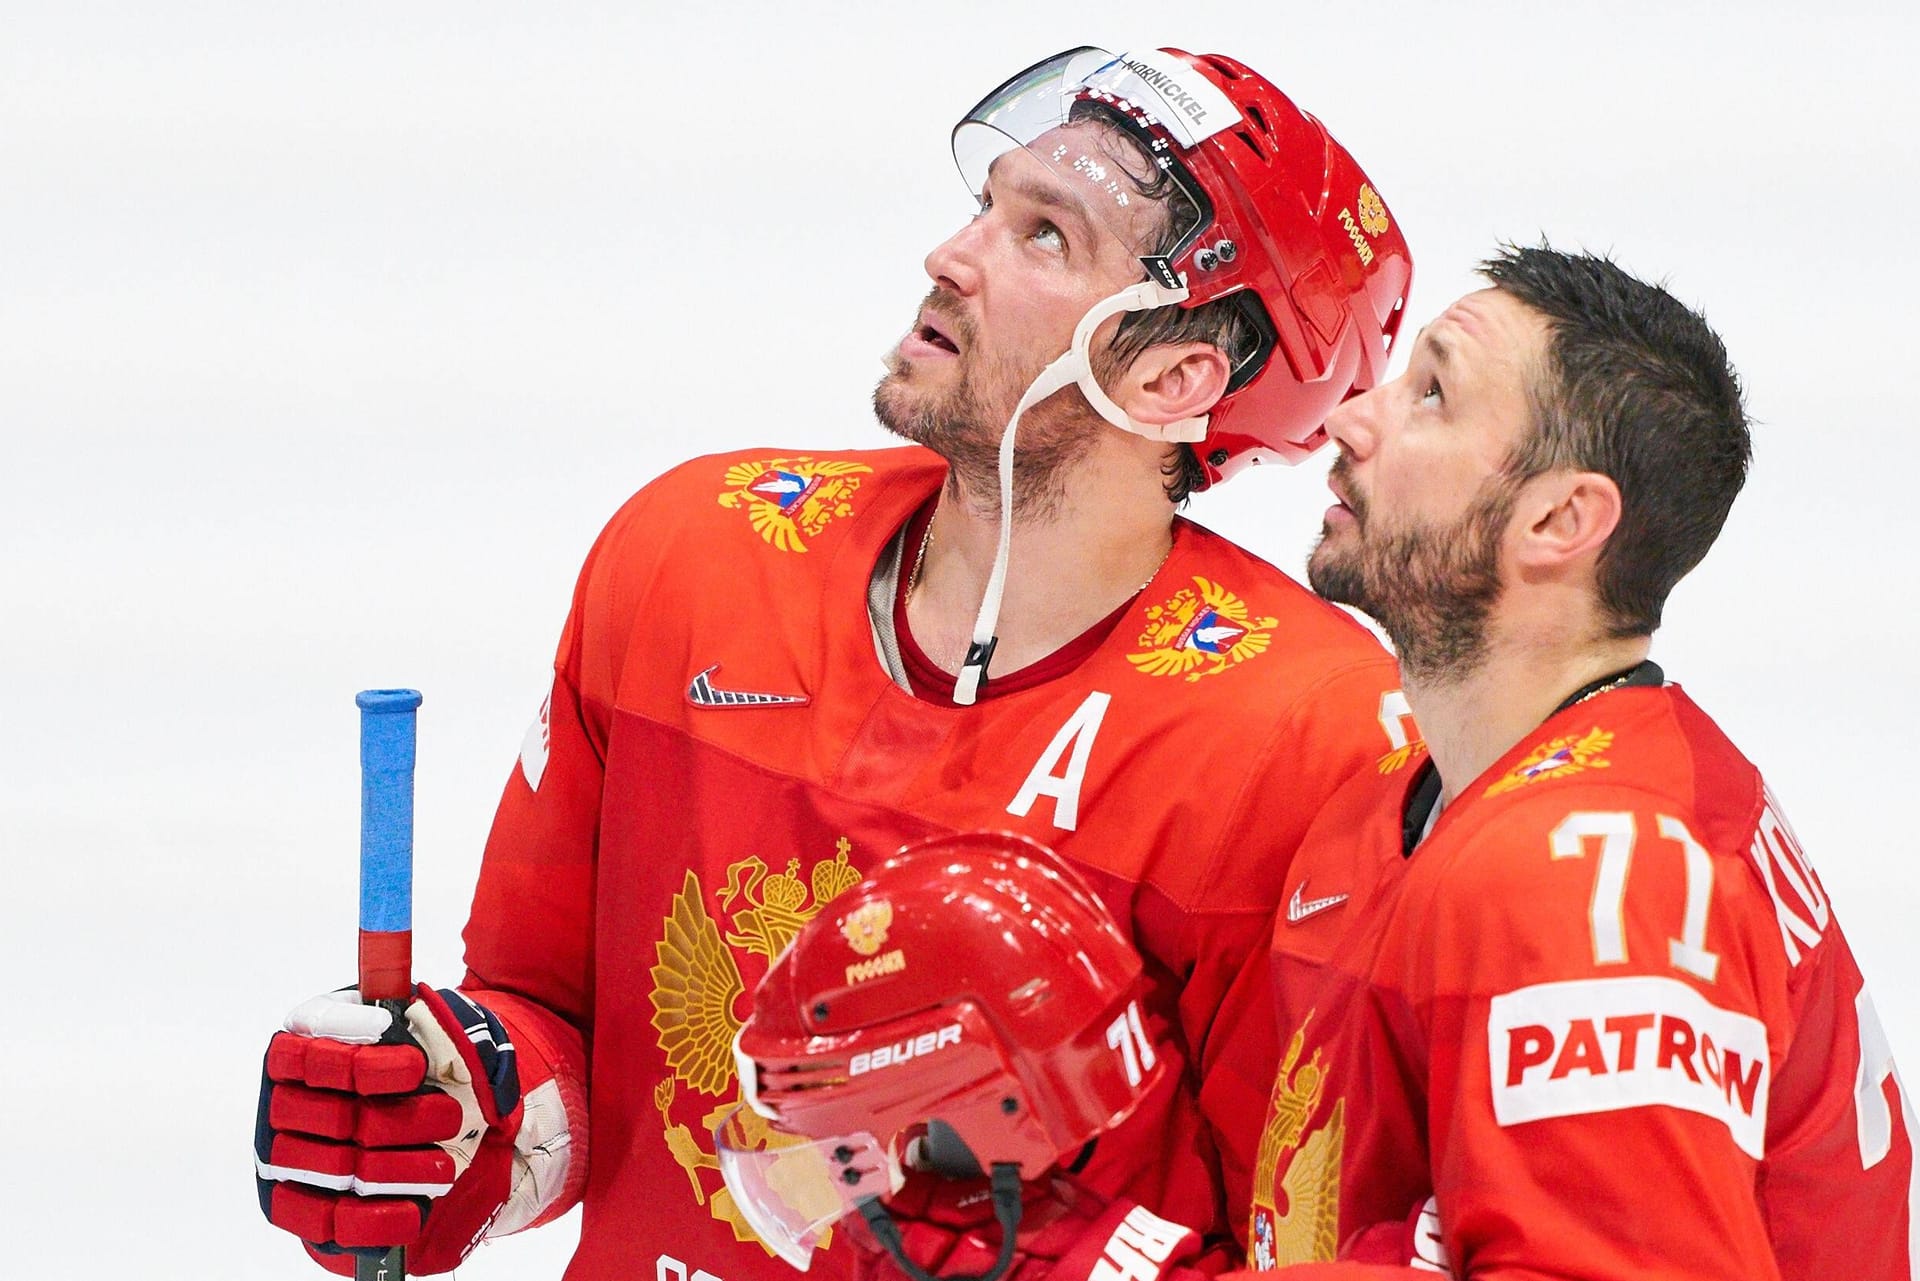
(1201, 630)
(1373, 211)
(1557, 758)
(789, 500)
(697, 986)
(1398, 758)
(1308, 1229)
(866, 927)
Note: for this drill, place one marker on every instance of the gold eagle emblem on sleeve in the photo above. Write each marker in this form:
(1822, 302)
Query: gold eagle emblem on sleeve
(789, 500)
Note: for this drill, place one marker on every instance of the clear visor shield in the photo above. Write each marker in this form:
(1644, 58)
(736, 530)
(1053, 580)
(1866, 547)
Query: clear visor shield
(793, 1190)
(1099, 136)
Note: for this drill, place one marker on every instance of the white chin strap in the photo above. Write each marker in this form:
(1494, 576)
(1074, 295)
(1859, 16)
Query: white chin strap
(1073, 366)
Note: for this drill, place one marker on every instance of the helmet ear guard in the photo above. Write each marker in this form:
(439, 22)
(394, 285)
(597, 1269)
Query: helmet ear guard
(970, 1006)
(943, 1152)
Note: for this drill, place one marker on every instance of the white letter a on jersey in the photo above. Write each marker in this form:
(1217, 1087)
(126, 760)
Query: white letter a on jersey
(1076, 734)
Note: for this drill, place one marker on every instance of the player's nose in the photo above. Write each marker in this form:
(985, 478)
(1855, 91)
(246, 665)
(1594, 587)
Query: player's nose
(1354, 425)
(955, 262)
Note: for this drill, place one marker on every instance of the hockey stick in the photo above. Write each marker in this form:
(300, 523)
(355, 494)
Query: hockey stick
(386, 880)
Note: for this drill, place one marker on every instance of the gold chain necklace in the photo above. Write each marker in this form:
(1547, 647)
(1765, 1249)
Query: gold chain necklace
(1615, 683)
(919, 558)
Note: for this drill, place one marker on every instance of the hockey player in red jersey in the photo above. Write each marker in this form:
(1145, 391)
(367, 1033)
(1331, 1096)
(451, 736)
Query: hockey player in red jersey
(1561, 995)
(779, 666)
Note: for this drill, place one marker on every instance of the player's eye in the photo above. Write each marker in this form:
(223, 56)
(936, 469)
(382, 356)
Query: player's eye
(1050, 237)
(985, 203)
(1433, 394)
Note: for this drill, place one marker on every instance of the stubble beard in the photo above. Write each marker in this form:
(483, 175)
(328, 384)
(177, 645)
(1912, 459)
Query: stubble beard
(1431, 589)
(964, 424)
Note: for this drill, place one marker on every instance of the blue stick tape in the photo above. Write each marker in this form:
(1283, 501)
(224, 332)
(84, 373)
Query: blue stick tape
(386, 807)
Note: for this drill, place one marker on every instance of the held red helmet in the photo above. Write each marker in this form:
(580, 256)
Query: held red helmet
(1277, 215)
(972, 996)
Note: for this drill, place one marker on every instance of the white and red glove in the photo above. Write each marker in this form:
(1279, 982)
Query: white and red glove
(372, 1133)
(947, 1228)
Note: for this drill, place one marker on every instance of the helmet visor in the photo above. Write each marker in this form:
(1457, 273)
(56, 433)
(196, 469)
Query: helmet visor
(1101, 134)
(792, 1190)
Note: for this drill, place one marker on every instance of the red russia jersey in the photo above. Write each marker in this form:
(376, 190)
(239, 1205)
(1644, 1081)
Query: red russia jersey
(724, 752)
(1600, 1024)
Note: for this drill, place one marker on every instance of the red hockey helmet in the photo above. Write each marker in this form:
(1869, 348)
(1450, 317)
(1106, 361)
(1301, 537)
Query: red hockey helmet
(972, 988)
(1278, 215)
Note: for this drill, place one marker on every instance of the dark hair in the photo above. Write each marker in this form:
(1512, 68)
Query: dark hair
(1182, 474)
(1634, 386)
(1222, 323)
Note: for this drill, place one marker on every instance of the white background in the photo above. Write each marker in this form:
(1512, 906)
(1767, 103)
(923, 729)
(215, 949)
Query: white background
(331, 333)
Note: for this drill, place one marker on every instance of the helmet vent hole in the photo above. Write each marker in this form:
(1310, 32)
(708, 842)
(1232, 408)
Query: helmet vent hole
(1260, 121)
(1252, 146)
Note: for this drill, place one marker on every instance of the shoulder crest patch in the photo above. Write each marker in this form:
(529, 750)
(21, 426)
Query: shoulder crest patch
(789, 500)
(1557, 758)
(1201, 630)
(1402, 756)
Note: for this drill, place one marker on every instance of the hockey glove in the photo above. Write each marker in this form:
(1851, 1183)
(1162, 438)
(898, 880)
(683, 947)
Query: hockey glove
(947, 1228)
(373, 1134)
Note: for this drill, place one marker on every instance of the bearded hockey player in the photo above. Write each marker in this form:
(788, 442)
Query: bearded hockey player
(779, 666)
(1561, 993)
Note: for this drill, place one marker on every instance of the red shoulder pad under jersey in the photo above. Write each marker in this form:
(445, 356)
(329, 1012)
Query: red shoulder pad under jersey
(1651, 1052)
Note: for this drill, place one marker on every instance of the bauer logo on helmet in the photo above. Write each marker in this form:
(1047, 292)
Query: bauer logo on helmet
(903, 1051)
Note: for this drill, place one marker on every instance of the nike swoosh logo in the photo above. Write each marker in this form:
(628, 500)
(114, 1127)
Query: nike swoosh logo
(702, 692)
(1300, 908)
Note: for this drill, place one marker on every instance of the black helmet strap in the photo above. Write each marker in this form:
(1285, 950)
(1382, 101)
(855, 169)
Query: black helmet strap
(1006, 1208)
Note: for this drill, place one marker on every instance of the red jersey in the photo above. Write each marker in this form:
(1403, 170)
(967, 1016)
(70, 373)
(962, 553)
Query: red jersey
(724, 752)
(1600, 1023)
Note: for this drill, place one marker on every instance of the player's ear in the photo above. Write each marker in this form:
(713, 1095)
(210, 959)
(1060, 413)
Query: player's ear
(1171, 381)
(1566, 517)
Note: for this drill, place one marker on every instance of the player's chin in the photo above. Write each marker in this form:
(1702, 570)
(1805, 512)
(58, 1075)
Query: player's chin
(901, 410)
(1334, 571)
